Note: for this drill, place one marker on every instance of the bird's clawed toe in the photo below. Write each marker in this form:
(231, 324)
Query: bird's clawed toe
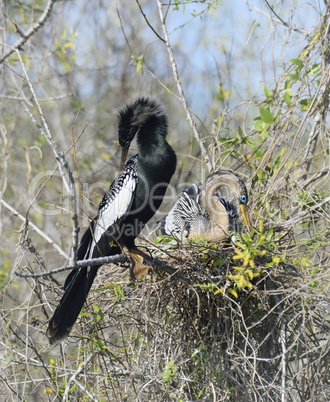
(141, 263)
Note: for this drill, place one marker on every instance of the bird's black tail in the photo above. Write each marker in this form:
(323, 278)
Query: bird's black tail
(76, 290)
(78, 284)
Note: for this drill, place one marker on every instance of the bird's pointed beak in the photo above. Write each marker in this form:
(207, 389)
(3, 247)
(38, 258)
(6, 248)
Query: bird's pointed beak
(124, 152)
(246, 217)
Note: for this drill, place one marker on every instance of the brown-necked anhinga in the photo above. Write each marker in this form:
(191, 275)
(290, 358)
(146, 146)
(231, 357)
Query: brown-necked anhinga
(204, 212)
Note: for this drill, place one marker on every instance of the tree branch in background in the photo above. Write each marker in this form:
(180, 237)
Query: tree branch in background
(115, 259)
(82, 367)
(147, 21)
(205, 153)
(63, 166)
(35, 228)
(25, 36)
(320, 104)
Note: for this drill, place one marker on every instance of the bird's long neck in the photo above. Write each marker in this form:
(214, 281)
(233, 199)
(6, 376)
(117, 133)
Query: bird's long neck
(214, 181)
(216, 210)
(207, 199)
(155, 155)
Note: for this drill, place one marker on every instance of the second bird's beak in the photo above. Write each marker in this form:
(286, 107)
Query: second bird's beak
(245, 216)
(124, 152)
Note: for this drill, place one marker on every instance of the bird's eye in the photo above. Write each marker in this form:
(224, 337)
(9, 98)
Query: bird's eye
(127, 144)
(242, 199)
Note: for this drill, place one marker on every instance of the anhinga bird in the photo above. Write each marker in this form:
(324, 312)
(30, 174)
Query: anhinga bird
(128, 204)
(204, 213)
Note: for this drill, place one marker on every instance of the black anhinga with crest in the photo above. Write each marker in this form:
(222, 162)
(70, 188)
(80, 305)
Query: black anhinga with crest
(128, 204)
(206, 213)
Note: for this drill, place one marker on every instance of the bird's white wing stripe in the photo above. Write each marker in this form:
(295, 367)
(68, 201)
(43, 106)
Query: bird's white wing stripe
(116, 201)
(115, 209)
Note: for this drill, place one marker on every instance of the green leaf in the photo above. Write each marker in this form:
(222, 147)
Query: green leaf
(268, 92)
(293, 77)
(264, 133)
(239, 133)
(163, 239)
(316, 70)
(119, 290)
(266, 115)
(306, 102)
(287, 85)
(298, 62)
(269, 235)
(257, 125)
(98, 312)
(261, 175)
(138, 61)
(287, 98)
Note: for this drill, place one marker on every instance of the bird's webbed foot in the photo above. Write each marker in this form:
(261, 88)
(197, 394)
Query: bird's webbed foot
(141, 263)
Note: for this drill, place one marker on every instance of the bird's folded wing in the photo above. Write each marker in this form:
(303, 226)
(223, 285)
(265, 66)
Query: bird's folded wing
(116, 201)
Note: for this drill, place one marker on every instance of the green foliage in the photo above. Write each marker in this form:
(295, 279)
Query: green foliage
(116, 287)
(223, 95)
(138, 63)
(4, 270)
(65, 49)
(169, 374)
(98, 311)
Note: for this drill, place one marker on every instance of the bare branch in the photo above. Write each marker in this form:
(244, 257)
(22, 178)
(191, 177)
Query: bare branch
(320, 104)
(115, 259)
(25, 36)
(82, 367)
(35, 228)
(64, 169)
(147, 21)
(205, 153)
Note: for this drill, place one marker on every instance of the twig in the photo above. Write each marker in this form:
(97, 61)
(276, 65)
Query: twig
(73, 378)
(283, 345)
(320, 104)
(25, 36)
(279, 20)
(303, 214)
(283, 22)
(205, 153)
(65, 172)
(34, 227)
(147, 21)
(85, 390)
(115, 259)
(51, 99)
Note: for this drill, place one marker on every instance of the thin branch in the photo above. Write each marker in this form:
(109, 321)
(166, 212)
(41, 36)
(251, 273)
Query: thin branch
(283, 345)
(25, 36)
(320, 105)
(73, 378)
(65, 172)
(51, 99)
(260, 11)
(115, 259)
(35, 228)
(282, 21)
(205, 153)
(147, 21)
